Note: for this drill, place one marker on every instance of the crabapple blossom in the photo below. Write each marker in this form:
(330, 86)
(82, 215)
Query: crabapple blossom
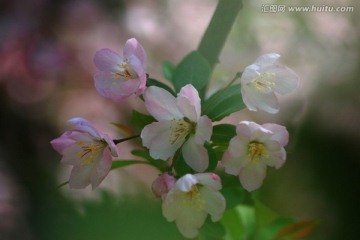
(88, 150)
(190, 201)
(262, 79)
(253, 149)
(120, 77)
(163, 184)
(179, 125)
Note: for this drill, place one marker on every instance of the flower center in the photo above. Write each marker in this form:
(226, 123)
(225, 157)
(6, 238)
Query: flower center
(256, 151)
(180, 129)
(125, 71)
(192, 198)
(89, 151)
(262, 83)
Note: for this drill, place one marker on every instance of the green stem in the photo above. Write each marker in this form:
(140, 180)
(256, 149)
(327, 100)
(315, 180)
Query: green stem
(117, 141)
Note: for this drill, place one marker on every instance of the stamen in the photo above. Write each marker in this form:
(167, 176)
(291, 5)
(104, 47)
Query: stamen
(262, 84)
(256, 151)
(180, 129)
(89, 151)
(193, 198)
(125, 71)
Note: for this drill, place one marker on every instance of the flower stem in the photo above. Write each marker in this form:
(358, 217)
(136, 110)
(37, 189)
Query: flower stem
(117, 141)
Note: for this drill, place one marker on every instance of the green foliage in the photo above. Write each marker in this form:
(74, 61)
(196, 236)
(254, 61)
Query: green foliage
(168, 70)
(140, 120)
(219, 27)
(211, 231)
(180, 166)
(159, 164)
(213, 159)
(223, 103)
(124, 163)
(193, 69)
(154, 82)
(222, 133)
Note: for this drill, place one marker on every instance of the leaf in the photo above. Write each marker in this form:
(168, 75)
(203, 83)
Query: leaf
(180, 166)
(223, 103)
(154, 82)
(124, 163)
(233, 195)
(168, 70)
(140, 120)
(222, 134)
(219, 27)
(297, 230)
(159, 164)
(193, 69)
(212, 230)
(269, 231)
(264, 214)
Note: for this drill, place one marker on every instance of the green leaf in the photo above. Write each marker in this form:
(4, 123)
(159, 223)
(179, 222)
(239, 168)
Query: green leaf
(270, 231)
(180, 166)
(140, 120)
(154, 82)
(223, 103)
(219, 27)
(233, 195)
(168, 70)
(264, 214)
(193, 69)
(222, 133)
(211, 230)
(159, 164)
(124, 163)
(213, 159)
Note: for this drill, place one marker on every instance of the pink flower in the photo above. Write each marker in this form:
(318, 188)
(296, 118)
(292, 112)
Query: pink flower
(163, 184)
(120, 77)
(261, 80)
(190, 201)
(252, 149)
(179, 125)
(88, 150)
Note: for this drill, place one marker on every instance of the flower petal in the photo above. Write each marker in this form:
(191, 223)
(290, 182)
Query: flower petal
(156, 137)
(113, 88)
(188, 101)
(102, 170)
(195, 155)
(280, 133)
(285, 79)
(203, 130)
(256, 99)
(111, 144)
(210, 180)
(85, 126)
(186, 182)
(214, 203)
(276, 158)
(80, 176)
(107, 60)
(133, 47)
(252, 176)
(62, 142)
(238, 146)
(267, 59)
(189, 221)
(161, 104)
(233, 164)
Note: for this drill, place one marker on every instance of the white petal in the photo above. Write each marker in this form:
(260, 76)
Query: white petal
(233, 164)
(276, 158)
(156, 137)
(250, 74)
(238, 146)
(210, 180)
(186, 182)
(195, 155)
(161, 104)
(84, 125)
(265, 101)
(189, 101)
(252, 176)
(280, 133)
(214, 203)
(203, 130)
(80, 176)
(285, 79)
(267, 59)
(189, 221)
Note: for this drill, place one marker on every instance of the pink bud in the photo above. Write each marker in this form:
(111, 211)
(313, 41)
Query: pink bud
(163, 184)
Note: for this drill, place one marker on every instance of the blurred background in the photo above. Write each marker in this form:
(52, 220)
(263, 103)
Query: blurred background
(46, 69)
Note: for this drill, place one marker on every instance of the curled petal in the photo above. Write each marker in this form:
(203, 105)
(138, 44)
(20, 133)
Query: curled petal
(111, 144)
(62, 142)
(210, 180)
(280, 133)
(188, 101)
(84, 125)
(161, 104)
(252, 176)
(133, 47)
(277, 158)
(185, 183)
(195, 155)
(267, 59)
(107, 60)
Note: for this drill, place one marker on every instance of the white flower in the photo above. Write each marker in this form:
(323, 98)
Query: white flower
(190, 201)
(252, 149)
(179, 125)
(261, 80)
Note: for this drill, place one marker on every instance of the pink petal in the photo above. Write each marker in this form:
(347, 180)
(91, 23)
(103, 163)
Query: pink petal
(111, 144)
(107, 60)
(210, 180)
(233, 164)
(108, 86)
(161, 104)
(133, 47)
(189, 101)
(203, 130)
(62, 142)
(80, 176)
(162, 185)
(85, 126)
(252, 176)
(102, 170)
(156, 137)
(195, 155)
(280, 133)
(238, 146)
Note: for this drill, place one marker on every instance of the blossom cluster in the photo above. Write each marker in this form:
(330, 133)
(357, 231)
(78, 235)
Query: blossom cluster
(180, 134)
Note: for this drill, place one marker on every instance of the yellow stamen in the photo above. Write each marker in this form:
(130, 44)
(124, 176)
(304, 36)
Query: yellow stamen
(89, 151)
(192, 198)
(125, 71)
(262, 84)
(180, 129)
(256, 151)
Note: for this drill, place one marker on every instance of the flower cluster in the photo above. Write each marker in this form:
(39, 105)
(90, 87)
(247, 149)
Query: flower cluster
(178, 133)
